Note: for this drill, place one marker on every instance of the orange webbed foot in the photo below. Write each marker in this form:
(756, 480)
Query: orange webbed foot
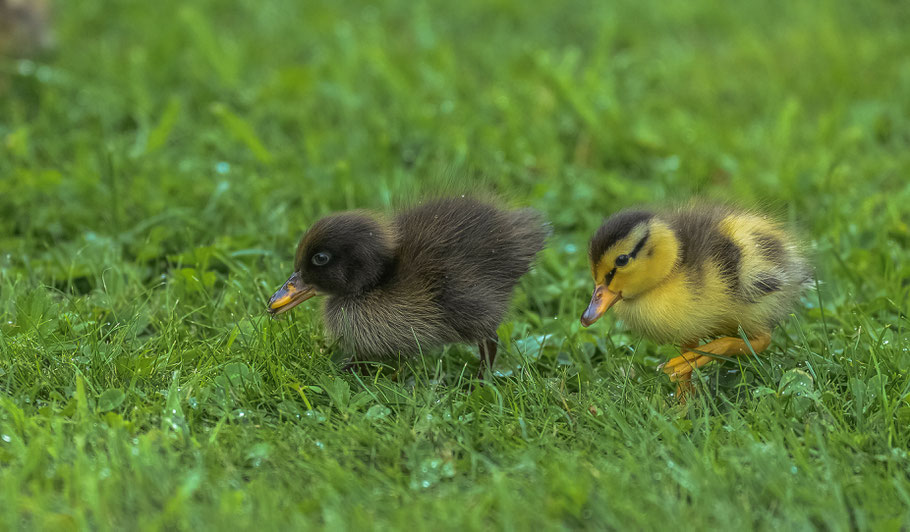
(680, 368)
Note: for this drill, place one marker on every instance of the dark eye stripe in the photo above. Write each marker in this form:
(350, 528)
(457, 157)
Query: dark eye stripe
(609, 277)
(641, 244)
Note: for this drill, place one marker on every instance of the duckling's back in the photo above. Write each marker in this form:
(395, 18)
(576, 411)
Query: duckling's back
(468, 255)
(750, 269)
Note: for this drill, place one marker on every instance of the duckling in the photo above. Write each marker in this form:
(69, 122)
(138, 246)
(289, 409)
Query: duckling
(694, 273)
(441, 272)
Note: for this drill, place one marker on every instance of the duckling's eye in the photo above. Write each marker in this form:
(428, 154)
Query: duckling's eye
(622, 260)
(321, 258)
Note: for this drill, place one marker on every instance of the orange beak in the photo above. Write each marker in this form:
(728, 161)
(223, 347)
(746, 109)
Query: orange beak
(601, 301)
(293, 293)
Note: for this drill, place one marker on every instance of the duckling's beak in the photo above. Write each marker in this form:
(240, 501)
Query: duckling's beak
(601, 301)
(293, 293)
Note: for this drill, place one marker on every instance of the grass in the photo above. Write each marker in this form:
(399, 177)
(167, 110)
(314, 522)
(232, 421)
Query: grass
(156, 173)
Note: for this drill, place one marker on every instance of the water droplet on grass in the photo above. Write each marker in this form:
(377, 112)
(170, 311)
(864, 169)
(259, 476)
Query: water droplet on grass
(7, 438)
(222, 167)
(315, 415)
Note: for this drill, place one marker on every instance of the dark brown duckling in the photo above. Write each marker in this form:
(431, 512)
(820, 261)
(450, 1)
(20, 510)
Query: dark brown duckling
(438, 273)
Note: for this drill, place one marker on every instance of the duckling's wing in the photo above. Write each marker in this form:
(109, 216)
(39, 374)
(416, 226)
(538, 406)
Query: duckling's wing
(772, 269)
(743, 264)
(470, 254)
(459, 236)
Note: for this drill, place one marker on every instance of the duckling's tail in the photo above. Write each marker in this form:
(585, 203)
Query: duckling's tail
(531, 229)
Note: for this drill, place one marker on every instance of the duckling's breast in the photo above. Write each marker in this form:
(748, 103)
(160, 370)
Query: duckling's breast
(684, 309)
(663, 314)
(379, 324)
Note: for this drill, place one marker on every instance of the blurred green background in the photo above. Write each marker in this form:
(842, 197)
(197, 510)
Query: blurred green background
(159, 164)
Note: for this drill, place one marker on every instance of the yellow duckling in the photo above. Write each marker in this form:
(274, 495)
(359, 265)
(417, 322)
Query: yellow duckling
(696, 273)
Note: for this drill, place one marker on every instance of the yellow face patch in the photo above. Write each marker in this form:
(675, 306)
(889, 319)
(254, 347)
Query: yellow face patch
(651, 252)
(603, 267)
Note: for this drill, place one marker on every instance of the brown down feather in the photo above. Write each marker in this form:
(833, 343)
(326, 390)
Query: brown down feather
(437, 273)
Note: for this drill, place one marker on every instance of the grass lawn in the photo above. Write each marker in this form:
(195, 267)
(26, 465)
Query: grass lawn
(157, 171)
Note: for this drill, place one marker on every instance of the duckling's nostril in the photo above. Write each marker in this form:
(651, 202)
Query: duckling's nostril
(601, 300)
(291, 294)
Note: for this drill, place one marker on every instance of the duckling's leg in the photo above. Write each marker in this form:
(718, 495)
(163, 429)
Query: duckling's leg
(680, 368)
(360, 367)
(684, 384)
(487, 355)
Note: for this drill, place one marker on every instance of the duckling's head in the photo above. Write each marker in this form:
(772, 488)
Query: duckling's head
(342, 254)
(631, 253)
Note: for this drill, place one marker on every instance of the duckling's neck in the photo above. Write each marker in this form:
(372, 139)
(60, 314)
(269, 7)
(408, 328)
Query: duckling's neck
(663, 312)
(661, 305)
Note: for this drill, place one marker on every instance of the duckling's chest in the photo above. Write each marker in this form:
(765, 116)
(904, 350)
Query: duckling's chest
(678, 311)
(376, 325)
